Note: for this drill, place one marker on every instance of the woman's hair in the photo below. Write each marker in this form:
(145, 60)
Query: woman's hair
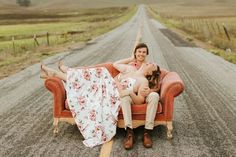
(140, 45)
(154, 79)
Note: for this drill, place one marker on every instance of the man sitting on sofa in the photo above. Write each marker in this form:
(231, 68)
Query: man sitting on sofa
(152, 98)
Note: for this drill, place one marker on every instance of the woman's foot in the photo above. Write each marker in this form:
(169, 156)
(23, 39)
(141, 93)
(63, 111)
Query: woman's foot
(62, 67)
(43, 73)
(46, 72)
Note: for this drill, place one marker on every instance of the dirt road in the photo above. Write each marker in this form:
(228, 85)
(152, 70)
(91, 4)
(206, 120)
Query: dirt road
(204, 115)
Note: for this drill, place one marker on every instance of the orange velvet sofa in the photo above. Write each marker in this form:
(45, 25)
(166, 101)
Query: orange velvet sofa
(171, 86)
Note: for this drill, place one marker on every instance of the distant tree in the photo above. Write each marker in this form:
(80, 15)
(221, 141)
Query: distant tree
(25, 3)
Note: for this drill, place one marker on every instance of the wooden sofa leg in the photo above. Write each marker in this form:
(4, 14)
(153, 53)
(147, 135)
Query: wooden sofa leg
(55, 124)
(169, 126)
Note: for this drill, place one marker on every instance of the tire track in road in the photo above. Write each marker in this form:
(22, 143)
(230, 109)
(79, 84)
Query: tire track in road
(219, 97)
(32, 133)
(24, 122)
(13, 116)
(220, 73)
(200, 95)
(219, 104)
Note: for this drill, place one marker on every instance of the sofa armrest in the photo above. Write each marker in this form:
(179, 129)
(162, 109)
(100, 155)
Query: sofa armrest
(56, 87)
(171, 86)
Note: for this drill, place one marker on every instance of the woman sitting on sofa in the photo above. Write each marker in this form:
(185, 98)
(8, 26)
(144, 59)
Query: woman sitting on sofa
(94, 97)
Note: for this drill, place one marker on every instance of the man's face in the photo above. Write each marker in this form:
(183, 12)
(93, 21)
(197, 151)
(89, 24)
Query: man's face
(141, 54)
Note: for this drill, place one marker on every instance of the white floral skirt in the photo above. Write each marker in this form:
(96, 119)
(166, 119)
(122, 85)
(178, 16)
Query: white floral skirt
(94, 101)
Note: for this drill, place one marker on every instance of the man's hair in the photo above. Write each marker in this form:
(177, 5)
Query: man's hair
(140, 45)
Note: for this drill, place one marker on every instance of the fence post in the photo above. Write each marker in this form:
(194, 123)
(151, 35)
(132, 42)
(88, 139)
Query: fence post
(199, 24)
(213, 28)
(218, 29)
(206, 30)
(35, 40)
(226, 32)
(65, 36)
(209, 28)
(13, 44)
(195, 25)
(47, 38)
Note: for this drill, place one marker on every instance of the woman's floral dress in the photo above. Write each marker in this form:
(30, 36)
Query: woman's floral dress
(94, 101)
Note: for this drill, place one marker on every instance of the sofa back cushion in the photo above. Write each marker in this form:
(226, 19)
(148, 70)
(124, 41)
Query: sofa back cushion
(109, 67)
(163, 73)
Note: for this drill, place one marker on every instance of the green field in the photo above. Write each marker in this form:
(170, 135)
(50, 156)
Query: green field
(23, 50)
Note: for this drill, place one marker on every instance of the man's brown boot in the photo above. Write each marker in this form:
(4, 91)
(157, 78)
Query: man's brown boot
(129, 139)
(147, 141)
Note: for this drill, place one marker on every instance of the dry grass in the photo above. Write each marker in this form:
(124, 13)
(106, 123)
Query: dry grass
(203, 22)
(69, 5)
(92, 23)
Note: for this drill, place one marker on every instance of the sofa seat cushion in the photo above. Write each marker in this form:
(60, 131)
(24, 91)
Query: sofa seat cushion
(141, 109)
(136, 109)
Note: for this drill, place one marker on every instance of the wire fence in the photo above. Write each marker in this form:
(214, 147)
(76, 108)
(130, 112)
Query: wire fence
(20, 43)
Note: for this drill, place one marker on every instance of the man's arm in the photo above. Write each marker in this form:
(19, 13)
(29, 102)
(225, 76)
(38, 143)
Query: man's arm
(122, 65)
(137, 99)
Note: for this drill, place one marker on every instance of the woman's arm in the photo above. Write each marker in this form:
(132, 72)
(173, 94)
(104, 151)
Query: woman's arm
(139, 98)
(122, 65)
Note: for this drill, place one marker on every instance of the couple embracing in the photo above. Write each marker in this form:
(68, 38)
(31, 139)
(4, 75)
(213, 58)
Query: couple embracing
(94, 97)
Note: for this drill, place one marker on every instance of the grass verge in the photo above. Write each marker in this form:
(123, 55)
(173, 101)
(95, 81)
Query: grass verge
(17, 55)
(202, 32)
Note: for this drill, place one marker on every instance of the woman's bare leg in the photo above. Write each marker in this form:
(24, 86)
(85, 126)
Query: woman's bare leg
(62, 67)
(49, 72)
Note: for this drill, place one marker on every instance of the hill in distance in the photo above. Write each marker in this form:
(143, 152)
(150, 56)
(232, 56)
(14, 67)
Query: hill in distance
(10, 6)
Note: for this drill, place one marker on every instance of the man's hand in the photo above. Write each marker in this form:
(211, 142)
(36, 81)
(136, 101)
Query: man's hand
(145, 91)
